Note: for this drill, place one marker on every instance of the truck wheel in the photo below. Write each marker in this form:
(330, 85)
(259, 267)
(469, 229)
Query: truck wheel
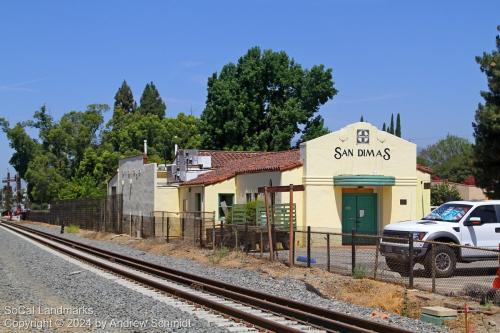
(445, 261)
(401, 267)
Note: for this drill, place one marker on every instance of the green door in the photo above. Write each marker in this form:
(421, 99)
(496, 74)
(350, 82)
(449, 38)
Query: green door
(359, 212)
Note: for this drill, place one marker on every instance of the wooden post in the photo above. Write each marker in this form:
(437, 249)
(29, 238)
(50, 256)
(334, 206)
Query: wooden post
(247, 241)
(261, 245)
(235, 237)
(328, 252)
(377, 249)
(202, 219)
(410, 256)
(291, 242)
(213, 235)
(269, 231)
(308, 246)
(142, 225)
(130, 225)
(163, 224)
(168, 229)
(221, 233)
(433, 269)
(353, 251)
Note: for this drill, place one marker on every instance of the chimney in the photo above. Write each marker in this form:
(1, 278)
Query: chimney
(145, 154)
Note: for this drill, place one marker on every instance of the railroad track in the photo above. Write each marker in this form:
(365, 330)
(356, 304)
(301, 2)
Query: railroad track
(257, 309)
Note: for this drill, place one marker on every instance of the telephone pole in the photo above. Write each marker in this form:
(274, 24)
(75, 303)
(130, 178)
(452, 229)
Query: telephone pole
(7, 197)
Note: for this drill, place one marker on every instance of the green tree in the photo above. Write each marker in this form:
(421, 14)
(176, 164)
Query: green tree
(442, 193)
(184, 130)
(261, 102)
(90, 180)
(384, 127)
(314, 129)
(25, 148)
(449, 158)
(397, 132)
(45, 179)
(151, 102)
(487, 125)
(391, 126)
(361, 119)
(7, 198)
(124, 99)
(80, 130)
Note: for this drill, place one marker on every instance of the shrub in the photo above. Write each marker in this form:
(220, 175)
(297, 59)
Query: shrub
(219, 254)
(443, 193)
(72, 229)
(359, 272)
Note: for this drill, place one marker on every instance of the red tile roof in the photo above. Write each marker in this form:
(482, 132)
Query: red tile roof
(228, 164)
(221, 158)
(424, 168)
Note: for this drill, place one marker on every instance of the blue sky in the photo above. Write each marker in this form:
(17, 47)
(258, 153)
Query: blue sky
(415, 58)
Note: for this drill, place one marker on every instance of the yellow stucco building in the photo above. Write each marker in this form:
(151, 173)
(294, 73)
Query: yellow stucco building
(357, 177)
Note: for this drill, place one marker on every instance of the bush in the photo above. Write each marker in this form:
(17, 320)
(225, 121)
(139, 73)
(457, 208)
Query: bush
(359, 272)
(72, 229)
(443, 193)
(219, 254)
(250, 213)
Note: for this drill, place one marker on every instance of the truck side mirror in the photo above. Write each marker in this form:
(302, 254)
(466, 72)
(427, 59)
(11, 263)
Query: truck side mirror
(472, 221)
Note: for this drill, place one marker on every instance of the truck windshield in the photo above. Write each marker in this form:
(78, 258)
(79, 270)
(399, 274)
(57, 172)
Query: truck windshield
(448, 213)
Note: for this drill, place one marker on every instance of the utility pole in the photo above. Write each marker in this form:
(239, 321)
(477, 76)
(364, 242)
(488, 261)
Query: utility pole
(7, 197)
(8, 187)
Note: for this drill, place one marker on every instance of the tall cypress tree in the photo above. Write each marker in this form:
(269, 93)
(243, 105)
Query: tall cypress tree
(391, 126)
(361, 119)
(124, 99)
(151, 102)
(487, 125)
(384, 127)
(398, 126)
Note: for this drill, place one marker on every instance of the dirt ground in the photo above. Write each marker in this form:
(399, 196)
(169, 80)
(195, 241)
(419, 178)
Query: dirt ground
(383, 297)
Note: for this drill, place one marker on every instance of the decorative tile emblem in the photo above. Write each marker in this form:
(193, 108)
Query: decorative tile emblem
(363, 136)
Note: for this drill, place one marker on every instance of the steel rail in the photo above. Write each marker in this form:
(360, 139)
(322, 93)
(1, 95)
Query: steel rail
(223, 309)
(324, 318)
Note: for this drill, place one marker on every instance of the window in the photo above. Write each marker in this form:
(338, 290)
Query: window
(487, 214)
(251, 196)
(448, 213)
(226, 201)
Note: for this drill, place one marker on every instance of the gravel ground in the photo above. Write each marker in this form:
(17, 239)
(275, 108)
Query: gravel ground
(31, 277)
(289, 288)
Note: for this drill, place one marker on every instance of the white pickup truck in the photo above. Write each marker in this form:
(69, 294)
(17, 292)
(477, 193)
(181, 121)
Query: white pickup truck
(470, 223)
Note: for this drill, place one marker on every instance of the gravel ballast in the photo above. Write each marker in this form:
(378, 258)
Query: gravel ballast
(34, 281)
(287, 287)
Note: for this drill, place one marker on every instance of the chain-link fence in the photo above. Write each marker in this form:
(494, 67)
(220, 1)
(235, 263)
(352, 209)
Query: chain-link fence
(437, 266)
(104, 214)
(186, 226)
